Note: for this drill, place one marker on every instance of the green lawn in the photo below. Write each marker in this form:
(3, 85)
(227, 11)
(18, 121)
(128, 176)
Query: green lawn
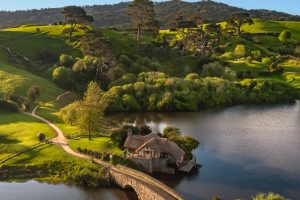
(99, 144)
(267, 26)
(19, 131)
(50, 111)
(48, 39)
(23, 80)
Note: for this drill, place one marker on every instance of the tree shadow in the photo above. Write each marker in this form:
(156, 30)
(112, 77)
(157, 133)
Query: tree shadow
(7, 140)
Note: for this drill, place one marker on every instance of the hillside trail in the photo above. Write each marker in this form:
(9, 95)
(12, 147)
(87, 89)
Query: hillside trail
(61, 140)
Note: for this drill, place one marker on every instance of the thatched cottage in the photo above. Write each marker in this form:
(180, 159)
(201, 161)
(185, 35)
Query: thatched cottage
(154, 154)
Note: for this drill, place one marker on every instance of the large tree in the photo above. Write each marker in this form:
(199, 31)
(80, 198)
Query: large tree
(77, 18)
(89, 112)
(142, 15)
(236, 21)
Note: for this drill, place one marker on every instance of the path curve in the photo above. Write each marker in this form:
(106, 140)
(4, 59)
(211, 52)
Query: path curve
(62, 141)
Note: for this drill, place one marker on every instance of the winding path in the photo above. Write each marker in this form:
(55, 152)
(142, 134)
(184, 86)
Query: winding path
(146, 187)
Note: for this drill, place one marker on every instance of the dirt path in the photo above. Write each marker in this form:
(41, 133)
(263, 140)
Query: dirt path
(61, 140)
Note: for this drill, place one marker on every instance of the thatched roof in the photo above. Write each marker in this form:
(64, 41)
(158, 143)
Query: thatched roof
(158, 144)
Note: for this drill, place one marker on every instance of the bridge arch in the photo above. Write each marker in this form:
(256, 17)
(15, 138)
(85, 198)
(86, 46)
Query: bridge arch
(145, 187)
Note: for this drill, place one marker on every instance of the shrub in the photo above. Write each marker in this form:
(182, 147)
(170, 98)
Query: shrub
(266, 60)
(227, 56)
(63, 76)
(33, 93)
(256, 55)
(214, 69)
(192, 76)
(239, 51)
(66, 60)
(249, 60)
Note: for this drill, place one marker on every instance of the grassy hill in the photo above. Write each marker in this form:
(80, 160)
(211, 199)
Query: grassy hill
(267, 26)
(18, 131)
(116, 15)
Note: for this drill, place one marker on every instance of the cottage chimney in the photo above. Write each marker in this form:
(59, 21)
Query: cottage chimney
(129, 132)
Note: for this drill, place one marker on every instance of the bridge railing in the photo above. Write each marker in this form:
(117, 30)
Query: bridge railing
(151, 181)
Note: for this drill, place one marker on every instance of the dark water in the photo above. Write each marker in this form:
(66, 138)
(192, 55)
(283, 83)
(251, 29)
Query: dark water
(244, 150)
(33, 190)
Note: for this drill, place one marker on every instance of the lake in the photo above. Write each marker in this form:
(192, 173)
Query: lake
(244, 150)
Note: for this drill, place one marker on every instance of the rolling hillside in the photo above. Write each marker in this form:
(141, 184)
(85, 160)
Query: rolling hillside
(116, 15)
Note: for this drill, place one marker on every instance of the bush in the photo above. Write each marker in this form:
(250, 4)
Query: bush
(239, 51)
(214, 69)
(66, 60)
(256, 55)
(33, 93)
(266, 60)
(249, 60)
(63, 77)
(8, 106)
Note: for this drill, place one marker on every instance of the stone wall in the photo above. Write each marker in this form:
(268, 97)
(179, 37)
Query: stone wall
(154, 165)
(140, 181)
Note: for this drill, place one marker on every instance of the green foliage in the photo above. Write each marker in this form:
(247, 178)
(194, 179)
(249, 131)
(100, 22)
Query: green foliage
(216, 69)
(77, 18)
(266, 60)
(125, 79)
(256, 55)
(186, 143)
(69, 113)
(192, 76)
(240, 51)
(33, 93)
(85, 114)
(236, 21)
(130, 103)
(89, 112)
(7, 85)
(63, 76)
(119, 135)
(66, 60)
(285, 35)
(157, 92)
(270, 196)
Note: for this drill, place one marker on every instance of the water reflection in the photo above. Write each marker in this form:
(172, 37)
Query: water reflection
(244, 150)
(33, 190)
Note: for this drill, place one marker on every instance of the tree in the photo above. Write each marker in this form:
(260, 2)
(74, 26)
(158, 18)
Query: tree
(69, 113)
(89, 112)
(285, 35)
(96, 45)
(142, 15)
(33, 93)
(236, 21)
(239, 51)
(77, 18)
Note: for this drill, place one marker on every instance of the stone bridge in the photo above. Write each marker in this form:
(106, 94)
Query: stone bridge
(146, 187)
